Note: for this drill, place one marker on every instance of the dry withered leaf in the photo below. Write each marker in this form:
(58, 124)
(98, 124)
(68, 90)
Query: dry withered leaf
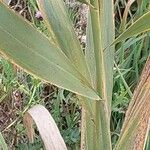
(47, 128)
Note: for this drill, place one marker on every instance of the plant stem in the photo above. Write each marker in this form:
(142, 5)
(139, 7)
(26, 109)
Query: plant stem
(100, 34)
(101, 116)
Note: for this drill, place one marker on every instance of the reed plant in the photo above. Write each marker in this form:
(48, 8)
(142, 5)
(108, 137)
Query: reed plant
(60, 60)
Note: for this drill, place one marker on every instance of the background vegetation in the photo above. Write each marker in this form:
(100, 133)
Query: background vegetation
(20, 91)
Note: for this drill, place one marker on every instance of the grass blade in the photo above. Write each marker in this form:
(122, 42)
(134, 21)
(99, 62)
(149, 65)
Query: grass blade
(139, 26)
(32, 51)
(125, 15)
(58, 22)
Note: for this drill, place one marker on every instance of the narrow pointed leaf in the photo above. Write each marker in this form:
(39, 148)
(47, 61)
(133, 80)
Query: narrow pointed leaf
(32, 51)
(139, 26)
(59, 23)
(47, 127)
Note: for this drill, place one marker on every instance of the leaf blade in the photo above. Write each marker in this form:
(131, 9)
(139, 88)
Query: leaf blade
(139, 26)
(59, 23)
(22, 43)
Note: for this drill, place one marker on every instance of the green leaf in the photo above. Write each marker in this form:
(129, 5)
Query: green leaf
(32, 51)
(3, 144)
(107, 37)
(59, 24)
(89, 52)
(100, 33)
(139, 26)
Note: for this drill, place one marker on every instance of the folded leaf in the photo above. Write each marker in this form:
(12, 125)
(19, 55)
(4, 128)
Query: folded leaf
(47, 128)
(32, 51)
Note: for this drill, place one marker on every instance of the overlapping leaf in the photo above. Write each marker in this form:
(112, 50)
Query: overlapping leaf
(32, 51)
(56, 17)
(100, 33)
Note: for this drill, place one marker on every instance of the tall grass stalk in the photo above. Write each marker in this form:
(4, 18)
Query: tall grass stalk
(102, 33)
